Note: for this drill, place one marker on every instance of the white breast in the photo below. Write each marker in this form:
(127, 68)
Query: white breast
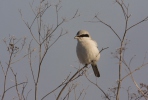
(87, 51)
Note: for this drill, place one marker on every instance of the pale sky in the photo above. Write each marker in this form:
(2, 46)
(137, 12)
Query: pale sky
(61, 57)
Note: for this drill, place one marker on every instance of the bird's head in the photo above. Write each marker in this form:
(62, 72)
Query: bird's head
(82, 34)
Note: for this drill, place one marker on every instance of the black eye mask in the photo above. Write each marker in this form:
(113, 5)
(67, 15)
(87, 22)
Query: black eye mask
(83, 35)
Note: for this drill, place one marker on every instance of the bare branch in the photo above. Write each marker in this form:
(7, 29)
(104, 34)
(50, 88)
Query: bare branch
(28, 93)
(29, 27)
(57, 87)
(2, 68)
(122, 5)
(98, 87)
(145, 19)
(30, 60)
(5, 78)
(14, 86)
(108, 26)
(69, 82)
(103, 49)
(134, 71)
(137, 85)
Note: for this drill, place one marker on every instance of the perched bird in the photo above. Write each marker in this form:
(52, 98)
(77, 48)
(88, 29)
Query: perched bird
(87, 50)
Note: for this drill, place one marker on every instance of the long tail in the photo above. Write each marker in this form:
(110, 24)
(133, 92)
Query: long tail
(95, 69)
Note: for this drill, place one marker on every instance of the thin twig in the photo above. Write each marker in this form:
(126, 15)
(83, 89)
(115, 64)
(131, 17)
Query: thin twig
(69, 82)
(56, 87)
(98, 87)
(5, 79)
(14, 86)
(109, 27)
(134, 71)
(145, 19)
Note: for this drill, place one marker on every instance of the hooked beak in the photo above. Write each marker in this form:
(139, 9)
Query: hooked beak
(75, 37)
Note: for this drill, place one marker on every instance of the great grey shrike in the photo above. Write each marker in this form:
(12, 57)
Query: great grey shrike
(87, 50)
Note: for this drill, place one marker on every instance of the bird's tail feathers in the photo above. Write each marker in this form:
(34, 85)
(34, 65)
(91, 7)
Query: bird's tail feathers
(95, 69)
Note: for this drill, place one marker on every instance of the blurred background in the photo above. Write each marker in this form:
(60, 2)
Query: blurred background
(61, 59)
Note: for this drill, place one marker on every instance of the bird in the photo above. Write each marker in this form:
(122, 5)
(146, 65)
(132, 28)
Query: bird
(87, 50)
